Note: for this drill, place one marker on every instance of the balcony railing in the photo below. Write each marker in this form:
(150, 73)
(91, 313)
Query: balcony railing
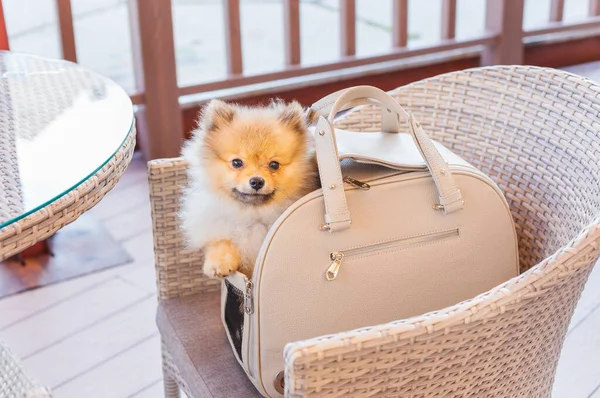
(158, 94)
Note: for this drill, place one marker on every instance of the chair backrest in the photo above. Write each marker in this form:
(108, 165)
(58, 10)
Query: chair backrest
(533, 130)
(178, 269)
(536, 132)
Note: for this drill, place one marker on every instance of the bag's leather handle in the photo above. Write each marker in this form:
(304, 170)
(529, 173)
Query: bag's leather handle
(323, 107)
(337, 215)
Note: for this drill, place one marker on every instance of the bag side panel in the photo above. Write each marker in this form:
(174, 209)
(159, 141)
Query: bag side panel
(380, 286)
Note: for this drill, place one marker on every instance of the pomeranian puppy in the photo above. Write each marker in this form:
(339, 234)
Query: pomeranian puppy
(246, 166)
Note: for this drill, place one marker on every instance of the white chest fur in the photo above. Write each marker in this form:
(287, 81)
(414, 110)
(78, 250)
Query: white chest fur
(207, 217)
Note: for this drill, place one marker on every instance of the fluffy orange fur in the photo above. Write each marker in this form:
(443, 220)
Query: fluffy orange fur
(222, 212)
(257, 138)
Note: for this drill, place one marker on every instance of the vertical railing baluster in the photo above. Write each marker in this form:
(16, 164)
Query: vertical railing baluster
(160, 125)
(594, 8)
(448, 19)
(348, 27)
(400, 23)
(504, 18)
(291, 23)
(67, 31)
(233, 37)
(557, 8)
(3, 33)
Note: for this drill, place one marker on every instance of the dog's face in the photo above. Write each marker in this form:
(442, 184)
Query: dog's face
(257, 156)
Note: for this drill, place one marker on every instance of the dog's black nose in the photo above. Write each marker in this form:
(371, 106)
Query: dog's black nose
(257, 183)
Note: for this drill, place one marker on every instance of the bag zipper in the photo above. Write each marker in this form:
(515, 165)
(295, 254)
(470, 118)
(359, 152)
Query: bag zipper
(248, 298)
(358, 184)
(337, 256)
(246, 353)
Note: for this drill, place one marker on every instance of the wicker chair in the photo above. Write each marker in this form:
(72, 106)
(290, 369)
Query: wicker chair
(536, 132)
(14, 383)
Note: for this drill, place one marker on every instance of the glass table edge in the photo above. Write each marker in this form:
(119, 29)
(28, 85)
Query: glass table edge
(76, 185)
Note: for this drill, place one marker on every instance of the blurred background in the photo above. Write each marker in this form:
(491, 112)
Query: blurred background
(103, 40)
(172, 56)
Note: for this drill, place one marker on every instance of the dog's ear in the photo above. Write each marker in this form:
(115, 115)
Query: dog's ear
(215, 115)
(293, 116)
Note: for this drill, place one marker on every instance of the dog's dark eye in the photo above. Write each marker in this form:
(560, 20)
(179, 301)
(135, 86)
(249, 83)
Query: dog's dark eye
(274, 165)
(237, 163)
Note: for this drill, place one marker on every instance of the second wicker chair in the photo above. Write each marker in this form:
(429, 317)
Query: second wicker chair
(535, 131)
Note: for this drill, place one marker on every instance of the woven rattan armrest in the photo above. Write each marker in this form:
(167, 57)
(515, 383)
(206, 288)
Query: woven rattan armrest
(178, 269)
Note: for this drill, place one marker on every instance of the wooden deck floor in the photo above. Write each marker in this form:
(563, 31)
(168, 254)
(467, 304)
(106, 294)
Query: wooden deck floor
(95, 336)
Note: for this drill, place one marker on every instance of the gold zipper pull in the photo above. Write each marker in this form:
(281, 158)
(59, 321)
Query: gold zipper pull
(334, 267)
(359, 184)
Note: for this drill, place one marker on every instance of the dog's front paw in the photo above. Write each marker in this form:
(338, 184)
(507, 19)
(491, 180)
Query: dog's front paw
(219, 268)
(221, 259)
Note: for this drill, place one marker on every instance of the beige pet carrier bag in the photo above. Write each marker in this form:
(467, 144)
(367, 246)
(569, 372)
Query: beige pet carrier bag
(401, 227)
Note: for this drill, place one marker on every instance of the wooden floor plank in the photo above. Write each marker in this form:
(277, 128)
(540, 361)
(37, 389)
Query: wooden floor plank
(81, 248)
(154, 390)
(143, 277)
(84, 351)
(578, 373)
(69, 317)
(119, 202)
(131, 223)
(141, 248)
(121, 376)
(142, 273)
(30, 303)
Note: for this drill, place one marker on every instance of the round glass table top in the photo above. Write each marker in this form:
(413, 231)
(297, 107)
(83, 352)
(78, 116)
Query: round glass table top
(59, 124)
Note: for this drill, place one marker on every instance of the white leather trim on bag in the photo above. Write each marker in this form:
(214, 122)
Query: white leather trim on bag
(337, 215)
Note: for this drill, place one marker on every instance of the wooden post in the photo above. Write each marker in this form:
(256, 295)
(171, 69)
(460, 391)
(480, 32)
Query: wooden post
(448, 19)
(400, 23)
(67, 32)
(291, 23)
(160, 127)
(594, 8)
(557, 8)
(348, 27)
(233, 37)
(3, 33)
(505, 19)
